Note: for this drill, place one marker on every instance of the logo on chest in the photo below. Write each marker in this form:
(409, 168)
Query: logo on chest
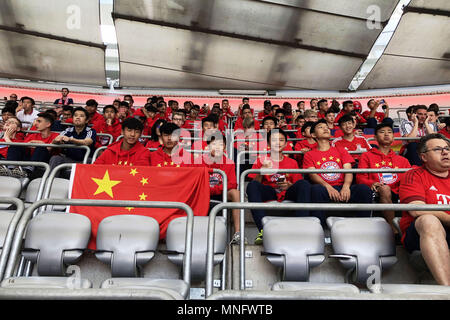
(330, 165)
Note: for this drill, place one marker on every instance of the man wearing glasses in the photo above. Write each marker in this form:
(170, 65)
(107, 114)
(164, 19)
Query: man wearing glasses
(429, 231)
(13, 97)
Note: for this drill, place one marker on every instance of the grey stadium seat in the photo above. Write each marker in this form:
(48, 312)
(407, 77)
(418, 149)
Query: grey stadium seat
(360, 243)
(296, 245)
(53, 241)
(175, 242)
(9, 187)
(127, 243)
(59, 190)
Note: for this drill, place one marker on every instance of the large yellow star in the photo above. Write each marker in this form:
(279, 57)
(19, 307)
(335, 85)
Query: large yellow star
(105, 184)
(133, 172)
(142, 196)
(144, 181)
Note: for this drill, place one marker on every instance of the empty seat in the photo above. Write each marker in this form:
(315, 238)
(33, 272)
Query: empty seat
(294, 244)
(360, 243)
(53, 241)
(6, 217)
(9, 187)
(127, 243)
(59, 190)
(175, 243)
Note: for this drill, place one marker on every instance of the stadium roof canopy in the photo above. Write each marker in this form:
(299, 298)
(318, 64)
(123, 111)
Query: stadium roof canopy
(225, 44)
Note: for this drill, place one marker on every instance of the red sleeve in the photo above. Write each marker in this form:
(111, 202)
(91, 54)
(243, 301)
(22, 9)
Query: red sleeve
(104, 158)
(412, 187)
(294, 177)
(308, 161)
(364, 178)
(345, 156)
(256, 165)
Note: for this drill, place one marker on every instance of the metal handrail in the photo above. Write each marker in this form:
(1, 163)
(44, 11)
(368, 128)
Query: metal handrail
(18, 237)
(10, 232)
(27, 144)
(97, 151)
(294, 206)
(301, 171)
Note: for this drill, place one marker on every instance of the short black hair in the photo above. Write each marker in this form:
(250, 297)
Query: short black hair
(81, 109)
(158, 124)
(308, 124)
(276, 130)
(275, 120)
(68, 108)
(52, 113)
(124, 104)
(267, 103)
(47, 116)
(322, 101)
(132, 123)
(210, 118)
(129, 96)
(92, 103)
(329, 111)
(109, 106)
(27, 98)
(345, 118)
(383, 125)
(280, 111)
(10, 108)
(346, 102)
(313, 127)
(212, 138)
(168, 128)
(421, 107)
(11, 104)
(246, 106)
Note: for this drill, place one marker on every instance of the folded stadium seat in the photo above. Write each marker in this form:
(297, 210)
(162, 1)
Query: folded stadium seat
(6, 217)
(360, 243)
(175, 243)
(53, 241)
(59, 190)
(127, 243)
(296, 245)
(9, 187)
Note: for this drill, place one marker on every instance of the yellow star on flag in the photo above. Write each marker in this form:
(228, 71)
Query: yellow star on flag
(144, 181)
(105, 184)
(133, 172)
(129, 208)
(142, 196)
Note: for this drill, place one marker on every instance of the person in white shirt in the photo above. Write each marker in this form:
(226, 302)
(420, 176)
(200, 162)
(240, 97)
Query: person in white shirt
(28, 113)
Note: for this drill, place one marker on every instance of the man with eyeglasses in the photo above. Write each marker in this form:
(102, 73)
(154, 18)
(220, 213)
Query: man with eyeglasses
(13, 97)
(429, 231)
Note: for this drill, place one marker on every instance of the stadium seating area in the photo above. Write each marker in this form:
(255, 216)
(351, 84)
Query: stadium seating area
(45, 251)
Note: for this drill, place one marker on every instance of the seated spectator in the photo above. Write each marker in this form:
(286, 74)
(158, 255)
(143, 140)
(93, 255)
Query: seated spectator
(301, 107)
(227, 113)
(128, 151)
(95, 118)
(334, 107)
(323, 108)
(172, 107)
(13, 97)
(336, 187)
(433, 118)
(64, 100)
(209, 127)
(41, 154)
(373, 117)
(329, 118)
(429, 231)
(384, 185)
(313, 105)
(269, 123)
(28, 113)
(282, 121)
(162, 110)
(10, 133)
(8, 111)
(277, 186)
(446, 130)
(311, 115)
(110, 125)
(299, 121)
(266, 112)
(305, 145)
(249, 134)
(155, 140)
(221, 125)
(216, 159)
(287, 108)
(128, 98)
(193, 120)
(246, 113)
(170, 153)
(418, 127)
(80, 134)
(348, 108)
(66, 115)
(124, 111)
(350, 141)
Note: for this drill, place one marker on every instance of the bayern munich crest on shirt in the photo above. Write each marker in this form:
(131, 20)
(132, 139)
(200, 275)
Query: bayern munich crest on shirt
(330, 176)
(388, 178)
(215, 179)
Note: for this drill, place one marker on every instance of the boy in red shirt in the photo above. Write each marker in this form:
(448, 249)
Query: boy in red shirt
(11, 133)
(305, 145)
(429, 231)
(336, 187)
(246, 113)
(350, 141)
(278, 186)
(42, 154)
(128, 151)
(385, 185)
(170, 154)
(111, 125)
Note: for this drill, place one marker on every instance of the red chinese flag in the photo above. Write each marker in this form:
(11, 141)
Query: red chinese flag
(189, 185)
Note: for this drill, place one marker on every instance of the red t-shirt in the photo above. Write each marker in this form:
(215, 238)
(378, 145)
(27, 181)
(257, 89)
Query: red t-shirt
(215, 179)
(333, 158)
(238, 124)
(4, 147)
(352, 145)
(271, 180)
(375, 159)
(379, 116)
(419, 184)
(179, 158)
(444, 132)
